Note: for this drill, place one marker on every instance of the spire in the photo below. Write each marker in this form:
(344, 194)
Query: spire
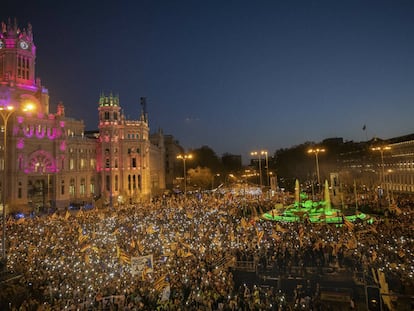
(144, 114)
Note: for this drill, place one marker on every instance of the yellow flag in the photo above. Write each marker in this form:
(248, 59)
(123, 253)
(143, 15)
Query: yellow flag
(85, 247)
(150, 229)
(243, 223)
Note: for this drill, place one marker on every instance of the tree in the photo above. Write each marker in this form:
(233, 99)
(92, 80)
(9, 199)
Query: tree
(205, 157)
(201, 177)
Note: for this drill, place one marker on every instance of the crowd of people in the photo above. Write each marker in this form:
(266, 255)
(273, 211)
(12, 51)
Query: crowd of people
(84, 260)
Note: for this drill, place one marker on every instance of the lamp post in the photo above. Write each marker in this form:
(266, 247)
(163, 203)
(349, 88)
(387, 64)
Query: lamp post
(316, 152)
(255, 153)
(381, 150)
(264, 152)
(5, 113)
(184, 157)
(212, 180)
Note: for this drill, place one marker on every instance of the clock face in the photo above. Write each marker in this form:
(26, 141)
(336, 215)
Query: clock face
(24, 45)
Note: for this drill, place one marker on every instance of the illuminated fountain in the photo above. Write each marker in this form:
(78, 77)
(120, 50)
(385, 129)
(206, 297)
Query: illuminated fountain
(304, 209)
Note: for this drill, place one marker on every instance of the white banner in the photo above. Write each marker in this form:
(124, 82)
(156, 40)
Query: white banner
(142, 264)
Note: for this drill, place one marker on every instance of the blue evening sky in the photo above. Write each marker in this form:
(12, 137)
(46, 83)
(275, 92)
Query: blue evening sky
(233, 75)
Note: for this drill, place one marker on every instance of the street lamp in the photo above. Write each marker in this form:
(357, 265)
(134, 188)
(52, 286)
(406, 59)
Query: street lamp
(316, 152)
(255, 153)
(264, 152)
(184, 157)
(212, 180)
(381, 150)
(5, 113)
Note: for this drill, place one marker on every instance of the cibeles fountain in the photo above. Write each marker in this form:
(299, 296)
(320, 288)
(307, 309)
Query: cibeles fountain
(306, 210)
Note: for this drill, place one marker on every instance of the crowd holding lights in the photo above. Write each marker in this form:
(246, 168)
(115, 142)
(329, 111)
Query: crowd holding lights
(73, 261)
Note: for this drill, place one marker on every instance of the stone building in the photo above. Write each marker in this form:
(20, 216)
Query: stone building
(47, 160)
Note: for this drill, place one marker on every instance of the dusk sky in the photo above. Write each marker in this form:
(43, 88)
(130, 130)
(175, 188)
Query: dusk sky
(236, 76)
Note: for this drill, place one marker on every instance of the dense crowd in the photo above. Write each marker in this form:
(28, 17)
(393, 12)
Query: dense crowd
(82, 260)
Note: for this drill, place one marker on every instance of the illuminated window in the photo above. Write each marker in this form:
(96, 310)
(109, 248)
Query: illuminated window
(82, 187)
(71, 164)
(92, 186)
(82, 164)
(72, 187)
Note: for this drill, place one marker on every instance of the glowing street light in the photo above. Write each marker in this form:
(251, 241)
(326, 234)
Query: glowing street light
(381, 149)
(185, 157)
(258, 154)
(264, 152)
(5, 113)
(316, 151)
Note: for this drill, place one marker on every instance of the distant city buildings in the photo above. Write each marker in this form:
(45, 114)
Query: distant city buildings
(48, 160)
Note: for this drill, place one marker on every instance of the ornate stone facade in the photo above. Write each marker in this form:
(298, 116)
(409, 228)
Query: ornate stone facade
(46, 158)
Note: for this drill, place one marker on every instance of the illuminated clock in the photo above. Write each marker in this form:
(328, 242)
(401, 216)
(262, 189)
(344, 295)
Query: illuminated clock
(24, 45)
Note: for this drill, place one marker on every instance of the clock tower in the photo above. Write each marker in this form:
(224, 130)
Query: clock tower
(18, 83)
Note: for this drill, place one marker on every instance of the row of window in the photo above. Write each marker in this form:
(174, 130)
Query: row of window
(23, 67)
(132, 164)
(134, 183)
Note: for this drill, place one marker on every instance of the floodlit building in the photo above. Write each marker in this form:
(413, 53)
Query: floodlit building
(46, 158)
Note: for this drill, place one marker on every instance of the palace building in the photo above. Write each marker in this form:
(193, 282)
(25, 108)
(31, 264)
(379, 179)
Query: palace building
(47, 159)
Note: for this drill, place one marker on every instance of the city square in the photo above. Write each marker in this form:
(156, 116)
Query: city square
(206, 156)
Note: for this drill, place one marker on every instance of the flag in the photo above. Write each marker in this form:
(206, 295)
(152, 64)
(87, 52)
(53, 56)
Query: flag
(20, 221)
(259, 236)
(243, 223)
(161, 282)
(348, 224)
(275, 236)
(150, 229)
(123, 256)
(85, 247)
(82, 237)
(384, 290)
(165, 296)
(280, 228)
(364, 127)
(374, 255)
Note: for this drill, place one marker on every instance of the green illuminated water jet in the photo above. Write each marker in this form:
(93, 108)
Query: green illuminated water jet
(304, 209)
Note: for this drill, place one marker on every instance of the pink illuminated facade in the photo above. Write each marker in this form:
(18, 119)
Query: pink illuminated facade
(49, 159)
